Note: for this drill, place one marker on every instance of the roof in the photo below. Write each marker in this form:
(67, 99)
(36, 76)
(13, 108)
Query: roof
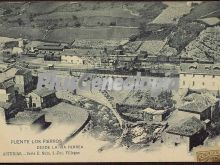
(126, 58)
(196, 68)
(97, 43)
(5, 105)
(22, 72)
(206, 98)
(50, 47)
(25, 117)
(194, 107)
(82, 52)
(6, 84)
(187, 128)
(154, 112)
(51, 44)
(43, 92)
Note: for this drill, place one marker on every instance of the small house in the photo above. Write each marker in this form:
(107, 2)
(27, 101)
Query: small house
(153, 115)
(11, 44)
(203, 106)
(17, 51)
(7, 93)
(42, 98)
(8, 110)
(198, 110)
(191, 132)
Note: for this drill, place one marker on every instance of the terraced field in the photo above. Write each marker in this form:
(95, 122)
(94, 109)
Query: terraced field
(172, 13)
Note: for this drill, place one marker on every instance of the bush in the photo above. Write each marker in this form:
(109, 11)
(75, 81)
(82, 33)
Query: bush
(77, 24)
(113, 24)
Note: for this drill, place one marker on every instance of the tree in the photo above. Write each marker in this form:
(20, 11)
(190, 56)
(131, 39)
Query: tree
(74, 18)
(77, 24)
(20, 21)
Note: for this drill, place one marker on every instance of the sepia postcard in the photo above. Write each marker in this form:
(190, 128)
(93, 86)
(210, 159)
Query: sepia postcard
(109, 81)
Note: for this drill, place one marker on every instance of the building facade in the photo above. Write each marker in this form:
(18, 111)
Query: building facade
(23, 81)
(191, 132)
(154, 115)
(203, 106)
(7, 92)
(200, 76)
(72, 59)
(42, 98)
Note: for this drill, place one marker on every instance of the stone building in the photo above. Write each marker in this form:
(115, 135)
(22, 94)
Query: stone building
(7, 92)
(203, 106)
(191, 132)
(200, 76)
(72, 59)
(23, 81)
(42, 98)
(153, 115)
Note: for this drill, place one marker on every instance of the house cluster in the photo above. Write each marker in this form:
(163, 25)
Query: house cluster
(12, 49)
(18, 97)
(199, 110)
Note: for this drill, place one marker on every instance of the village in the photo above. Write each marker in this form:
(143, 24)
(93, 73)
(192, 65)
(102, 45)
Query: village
(177, 104)
(188, 114)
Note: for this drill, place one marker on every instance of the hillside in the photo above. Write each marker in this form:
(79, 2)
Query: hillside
(205, 46)
(172, 23)
(189, 27)
(33, 19)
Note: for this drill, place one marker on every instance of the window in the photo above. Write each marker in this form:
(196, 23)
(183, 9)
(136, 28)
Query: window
(183, 82)
(193, 83)
(203, 83)
(203, 75)
(193, 75)
(184, 74)
(213, 76)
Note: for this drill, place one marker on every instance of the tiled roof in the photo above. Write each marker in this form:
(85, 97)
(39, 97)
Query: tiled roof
(44, 92)
(205, 98)
(200, 68)
(50, 47)
(6, 84)
(154, 112)
(22, 71)
(187, 128)
(82, 52)
(194, 107)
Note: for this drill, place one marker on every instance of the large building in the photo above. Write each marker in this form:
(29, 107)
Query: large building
(200, 76)
(73, 59)
(79, 56)
(50, 47)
